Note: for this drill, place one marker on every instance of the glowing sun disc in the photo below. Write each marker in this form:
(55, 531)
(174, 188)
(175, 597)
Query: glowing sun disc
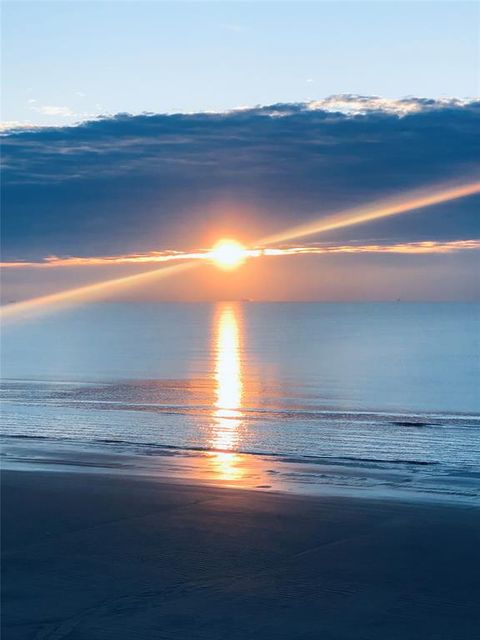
(228, 254)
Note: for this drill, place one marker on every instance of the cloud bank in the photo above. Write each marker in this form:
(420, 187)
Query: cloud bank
(141, 183)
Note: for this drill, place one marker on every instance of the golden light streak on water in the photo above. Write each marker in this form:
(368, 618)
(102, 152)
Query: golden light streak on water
(228, 377)
(405, 204)
(55, 301)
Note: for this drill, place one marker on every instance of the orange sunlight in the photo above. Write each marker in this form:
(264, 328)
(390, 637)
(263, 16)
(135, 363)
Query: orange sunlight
(411, 201)
(228, 390)
(228, 254)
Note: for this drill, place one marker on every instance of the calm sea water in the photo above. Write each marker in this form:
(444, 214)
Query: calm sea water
(372, 382)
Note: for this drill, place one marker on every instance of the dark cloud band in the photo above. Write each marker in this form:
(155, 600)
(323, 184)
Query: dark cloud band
(131, 183)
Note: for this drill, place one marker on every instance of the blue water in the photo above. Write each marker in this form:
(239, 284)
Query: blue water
(387, 382)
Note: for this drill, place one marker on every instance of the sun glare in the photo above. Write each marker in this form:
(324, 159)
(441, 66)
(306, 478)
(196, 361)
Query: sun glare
(229, 391)
(228, 254)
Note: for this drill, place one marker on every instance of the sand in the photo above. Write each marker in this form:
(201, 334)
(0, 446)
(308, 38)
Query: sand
(90, 556)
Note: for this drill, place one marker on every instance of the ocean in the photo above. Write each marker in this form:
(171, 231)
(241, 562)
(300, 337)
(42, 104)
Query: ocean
(384, 386)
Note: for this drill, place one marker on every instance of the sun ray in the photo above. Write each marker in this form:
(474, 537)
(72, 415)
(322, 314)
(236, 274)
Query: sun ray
(360, 215)
(55, 301)
(228, 254)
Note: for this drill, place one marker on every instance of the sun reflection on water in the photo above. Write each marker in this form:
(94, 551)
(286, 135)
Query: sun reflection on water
(227, 416)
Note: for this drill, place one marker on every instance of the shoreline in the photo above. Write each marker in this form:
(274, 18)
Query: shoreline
(103, 556)
(391, 480)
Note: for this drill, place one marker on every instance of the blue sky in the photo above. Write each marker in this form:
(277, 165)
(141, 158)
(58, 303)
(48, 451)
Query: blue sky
(208, 162)
(67, 61)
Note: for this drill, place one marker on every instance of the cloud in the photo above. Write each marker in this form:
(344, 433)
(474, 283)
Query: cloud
(356, 104)
(52, 110)
(8, 126)
(139, 183)
(155, 257)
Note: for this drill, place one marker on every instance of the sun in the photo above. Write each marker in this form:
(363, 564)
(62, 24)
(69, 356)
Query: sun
(228, 254)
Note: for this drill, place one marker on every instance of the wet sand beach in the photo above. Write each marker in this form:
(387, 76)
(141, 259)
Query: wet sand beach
(90, 556)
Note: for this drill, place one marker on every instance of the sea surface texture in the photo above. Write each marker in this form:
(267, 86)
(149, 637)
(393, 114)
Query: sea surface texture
(379, 385)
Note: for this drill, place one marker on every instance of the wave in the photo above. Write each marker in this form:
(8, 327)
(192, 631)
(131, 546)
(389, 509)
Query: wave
(150, 448)
(394, 419)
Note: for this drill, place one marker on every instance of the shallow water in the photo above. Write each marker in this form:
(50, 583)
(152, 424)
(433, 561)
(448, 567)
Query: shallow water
(389, 383)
